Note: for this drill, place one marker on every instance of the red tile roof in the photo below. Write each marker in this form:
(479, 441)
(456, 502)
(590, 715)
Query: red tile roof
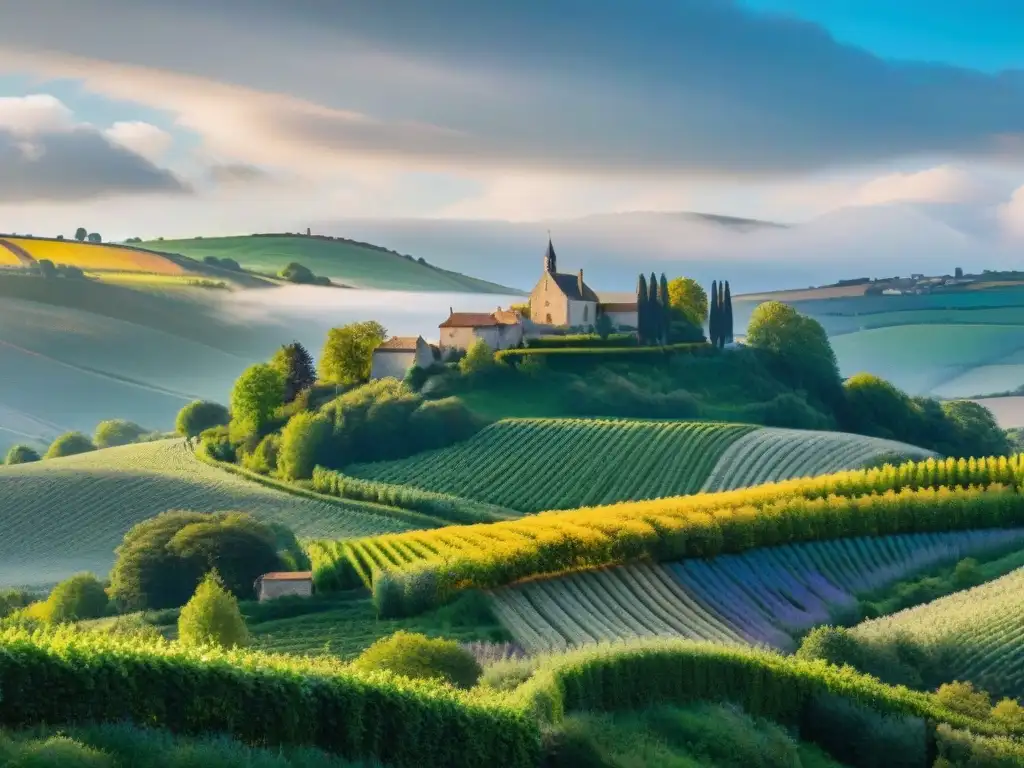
(400, 344)
(469, 320)
(287, 576)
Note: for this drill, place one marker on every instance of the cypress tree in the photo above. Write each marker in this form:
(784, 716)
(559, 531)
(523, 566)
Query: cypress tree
(653, 311)
(713, 314)
(722, 318)
(666, 309)
(641, 309)
(728, 314)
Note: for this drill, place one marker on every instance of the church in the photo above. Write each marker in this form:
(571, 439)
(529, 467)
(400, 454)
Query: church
(564, 300)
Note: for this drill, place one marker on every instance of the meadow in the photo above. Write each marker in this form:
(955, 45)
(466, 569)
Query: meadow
(765, 597)
(96, 256)
(354, 264)
(568, 463)
(67, 515)
(975, 635)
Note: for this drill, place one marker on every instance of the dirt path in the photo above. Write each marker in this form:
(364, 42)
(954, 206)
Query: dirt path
(19, 253)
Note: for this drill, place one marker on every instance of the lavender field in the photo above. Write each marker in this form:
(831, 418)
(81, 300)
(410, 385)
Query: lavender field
(764, 597)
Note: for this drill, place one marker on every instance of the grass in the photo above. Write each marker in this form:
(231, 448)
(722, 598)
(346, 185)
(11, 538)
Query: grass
(94, 256)
(764, 597)
(356, 264)
(66, 515)
(975, 635)
(538, 464)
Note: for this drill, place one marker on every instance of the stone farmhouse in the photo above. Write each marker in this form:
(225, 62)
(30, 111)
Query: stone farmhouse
(270, 586)
(501, 329)
(400, 353)
(564, 300)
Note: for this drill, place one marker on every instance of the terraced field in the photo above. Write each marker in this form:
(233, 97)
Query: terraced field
(65, 515)
(95, 256)
(769, 455)
(538, 464)
(976, 635)
(763, 597)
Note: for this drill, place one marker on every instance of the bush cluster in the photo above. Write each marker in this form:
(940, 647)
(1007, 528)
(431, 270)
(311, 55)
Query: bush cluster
(420, 657)
(581, 340)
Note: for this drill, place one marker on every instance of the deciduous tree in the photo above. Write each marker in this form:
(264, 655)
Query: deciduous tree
(296, 365)
(348, 352)
(199, 416)
(212, 618)
(688, 300)
(257, 393)
(81, 233)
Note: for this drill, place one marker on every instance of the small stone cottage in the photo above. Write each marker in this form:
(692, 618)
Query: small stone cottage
(284, 584)
(400, 353)
(501, 329)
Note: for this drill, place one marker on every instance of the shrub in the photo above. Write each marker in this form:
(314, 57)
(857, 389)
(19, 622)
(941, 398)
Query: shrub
(1009, 714)
(21, 454)
(305, 442)
(963, 698)
(415, 378)
(417, 656)
(263, 460)
(69, 444)
(117, 432)
(479, 360)
(255, 398)
(80, 597)
(12, 600)
(962, 749)
(199, 416)
(212, 617)
(217, 444)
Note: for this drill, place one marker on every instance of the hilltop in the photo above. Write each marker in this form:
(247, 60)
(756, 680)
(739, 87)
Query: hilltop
(352, 263)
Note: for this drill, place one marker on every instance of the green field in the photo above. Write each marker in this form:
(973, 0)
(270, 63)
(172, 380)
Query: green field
(66, 515)
(540, 464)
(976, 635)
(353, 264)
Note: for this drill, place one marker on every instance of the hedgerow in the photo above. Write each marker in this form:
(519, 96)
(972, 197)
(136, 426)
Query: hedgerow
(430, 566)
(567, 357)
(66, 677)
(583, 340)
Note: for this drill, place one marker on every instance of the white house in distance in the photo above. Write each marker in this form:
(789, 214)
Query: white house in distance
(400, 353)
(565, 300)
(501, 329)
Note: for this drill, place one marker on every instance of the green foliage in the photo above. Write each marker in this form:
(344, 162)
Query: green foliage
(296, 273)
(603, 327)
(348, 352)
(421, 657)
(305, 442)
(296, 365)
(961, 748)
(46, 268)
(69, 444)
(799, 347)
(263, 460)
(211, 617)
(12, 600)
(415, 378)
(257, 394)
(687, 300)
(199, 416)
(161, 560)
(860, 735)
(21, 454)
(479, 360)
(978, 432)
(117, 432)
(259, 700)
(965, 699)
(80, 597)
(81, 233)
(1009, 714)
(583, 340)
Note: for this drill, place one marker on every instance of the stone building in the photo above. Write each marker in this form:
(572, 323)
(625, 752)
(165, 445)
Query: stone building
(398, 354)
(284, 584)
(501, 329)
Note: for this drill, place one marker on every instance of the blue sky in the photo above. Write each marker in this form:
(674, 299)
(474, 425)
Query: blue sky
(187, 120)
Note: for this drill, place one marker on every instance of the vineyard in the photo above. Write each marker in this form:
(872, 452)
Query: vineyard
(65, 515)
(976, 635)
(763, 597)
(769, 455)
(417, 569)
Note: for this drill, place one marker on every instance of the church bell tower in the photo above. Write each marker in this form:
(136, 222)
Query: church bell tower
(550, 260)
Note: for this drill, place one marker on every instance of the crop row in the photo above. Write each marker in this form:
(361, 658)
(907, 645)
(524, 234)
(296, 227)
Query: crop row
(762, 597)
(430, 566)
(532, 465)
(770, 455)
(976, 635)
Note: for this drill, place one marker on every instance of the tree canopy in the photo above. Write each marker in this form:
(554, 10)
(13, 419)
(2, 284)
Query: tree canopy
(211, 617)
(117, 432)
(199, 416)
(296, 365)
(22, 454)
(688, 300)
(69, 444)
(257, 394)
(799, 344)
(348, 352)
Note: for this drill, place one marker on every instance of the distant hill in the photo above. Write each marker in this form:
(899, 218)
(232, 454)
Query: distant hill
(356, 264)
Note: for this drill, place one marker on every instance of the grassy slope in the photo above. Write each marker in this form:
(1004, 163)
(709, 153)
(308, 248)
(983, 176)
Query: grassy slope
(357, 265)
(977, 635)
(763, 597)
(65, 515)
(537, 464)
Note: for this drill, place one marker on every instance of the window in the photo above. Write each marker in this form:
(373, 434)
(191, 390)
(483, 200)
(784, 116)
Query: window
(548, 319)
(586, 312)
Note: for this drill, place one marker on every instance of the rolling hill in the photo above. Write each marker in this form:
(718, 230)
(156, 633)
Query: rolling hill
(542, 464)
(359, 265)
(61, 516)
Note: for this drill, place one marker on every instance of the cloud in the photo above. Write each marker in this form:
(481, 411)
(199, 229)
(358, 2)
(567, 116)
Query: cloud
(143, 138)
(653, 88)
(1011, 215)
(230, 174)
(942, 184)
(46, 156)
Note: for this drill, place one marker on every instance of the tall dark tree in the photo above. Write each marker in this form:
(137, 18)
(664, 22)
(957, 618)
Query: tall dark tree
(666, 309)
(728, 314)
(296, 364)
(653, 310)
(713, 314)
(722, 315)
(641, 309)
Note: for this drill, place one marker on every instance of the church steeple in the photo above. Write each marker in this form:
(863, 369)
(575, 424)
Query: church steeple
(550, 260)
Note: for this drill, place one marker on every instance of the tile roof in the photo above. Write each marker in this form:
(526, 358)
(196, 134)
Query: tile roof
(618, 306)
(469, 320)
(570, 286)
(287, 576)
(507, 317)
(400, 344)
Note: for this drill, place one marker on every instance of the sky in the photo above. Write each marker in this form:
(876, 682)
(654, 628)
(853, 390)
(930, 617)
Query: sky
(147, 118)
